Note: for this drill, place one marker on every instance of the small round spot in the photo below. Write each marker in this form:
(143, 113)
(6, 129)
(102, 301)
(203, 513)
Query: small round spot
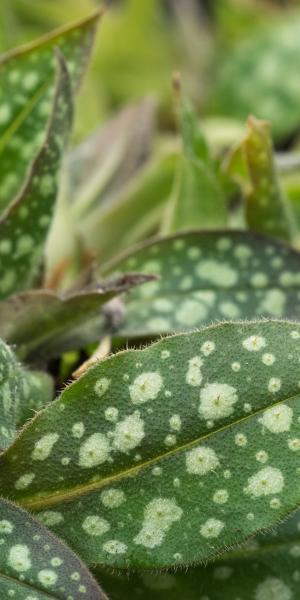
(212, 528)
(95, 526)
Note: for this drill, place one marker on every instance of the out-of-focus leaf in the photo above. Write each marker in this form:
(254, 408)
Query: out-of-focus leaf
(136, 212)
(207, 276)
(259, 75)
(267, 208)
(265, 568)
(42, 323)
(35, 565)
(26, 90)
(21, 394)
(25, 223)
(197, 199)
(127, 451)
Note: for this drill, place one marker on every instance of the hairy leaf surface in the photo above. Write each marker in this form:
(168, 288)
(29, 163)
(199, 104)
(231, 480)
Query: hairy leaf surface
(24, 225)
(43, 323)
(21, 394)
(265, 568)
(204, 276)
(169, 455)
(26, 90)
(34, 564)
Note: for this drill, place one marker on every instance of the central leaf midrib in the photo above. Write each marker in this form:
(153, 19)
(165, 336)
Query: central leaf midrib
(31, 587)
(68, 495)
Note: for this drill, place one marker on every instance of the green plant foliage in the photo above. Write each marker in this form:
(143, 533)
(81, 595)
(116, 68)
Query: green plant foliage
(197, 198)
(205, 276)
(267, 208)
(259, 75)
(42, 323)
(20, 394)
(265, 568)
(178, 451)
(36, 565)
(25, 224)
(26, 82)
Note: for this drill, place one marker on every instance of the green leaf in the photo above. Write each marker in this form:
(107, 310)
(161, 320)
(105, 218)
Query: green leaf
(34, 564)
(267, 208)
(169, 455)
(26, 90)
(265, 568)
(204, 276)
(24, 225)
(42, 323)
(20, 394)
(197, 199)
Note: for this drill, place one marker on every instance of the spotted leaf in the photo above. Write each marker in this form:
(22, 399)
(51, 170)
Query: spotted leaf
(34, 564)
(265, 568)
(197, 199)
(24, 225)
(21, 394)
(41, 323)
(208, 276)
(168, 455)
(267, 208)
(26, 91)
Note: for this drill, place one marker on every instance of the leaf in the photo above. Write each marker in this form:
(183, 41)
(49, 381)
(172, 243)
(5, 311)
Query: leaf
(157, 457)
(197, 199)
(20, 394)
(24, 225)
(267, 208)
(265, 568)
(26, 89)
(42, 323)
(35, 564)
(205, 276)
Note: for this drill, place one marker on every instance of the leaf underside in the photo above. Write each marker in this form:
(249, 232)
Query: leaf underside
(215, 412)
(42, 323)
(34, 564)
(209, 276)
(26, 90)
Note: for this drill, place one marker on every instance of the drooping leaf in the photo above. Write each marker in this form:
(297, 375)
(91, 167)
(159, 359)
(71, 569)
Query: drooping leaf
(26, 90)
(265, 568)
(20, 394)
(197, 199)
(34, 564)
(169, 455)
(208, 276)
(267, 208)
(24, 225)
(42, 323)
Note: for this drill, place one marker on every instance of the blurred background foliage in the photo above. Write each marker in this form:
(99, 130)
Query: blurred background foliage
(236, 58)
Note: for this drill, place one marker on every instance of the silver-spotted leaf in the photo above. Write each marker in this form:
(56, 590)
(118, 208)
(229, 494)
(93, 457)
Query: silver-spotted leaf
(22, 393)
(35, 565)
(26, 90)
(25, 223)
(41, 323)
(267, 208)
(169, 455)
(265, 568)
(208, 276)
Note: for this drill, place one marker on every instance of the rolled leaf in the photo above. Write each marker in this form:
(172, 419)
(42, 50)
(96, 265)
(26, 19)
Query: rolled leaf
(170, 455)
(26, 90)
(267, 208)
(24, 225)
(41, 323)
(35, 564)
(266, 567)
(208, 276)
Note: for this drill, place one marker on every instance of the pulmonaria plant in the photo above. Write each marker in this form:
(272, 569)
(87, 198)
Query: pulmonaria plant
(168, 463)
